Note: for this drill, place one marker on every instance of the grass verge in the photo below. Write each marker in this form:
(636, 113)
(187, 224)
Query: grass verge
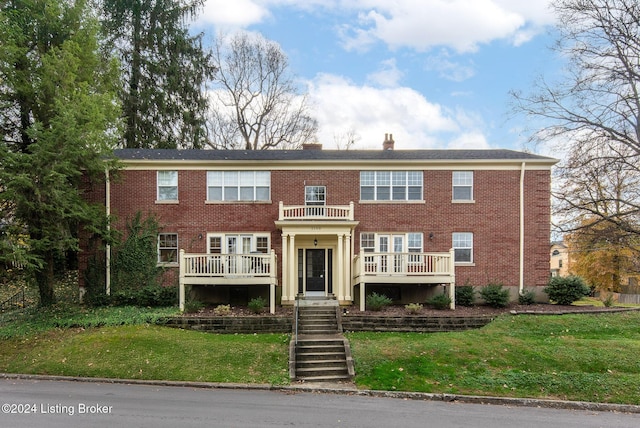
(569, 357)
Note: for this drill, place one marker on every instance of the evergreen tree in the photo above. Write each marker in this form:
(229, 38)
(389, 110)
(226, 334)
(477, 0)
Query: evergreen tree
(164, 71)
(59, 119)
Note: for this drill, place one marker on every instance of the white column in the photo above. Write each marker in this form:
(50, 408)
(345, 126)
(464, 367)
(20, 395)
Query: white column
(285, 267)
(348, 258)
(362, 296)
(340, 268)
(292, 277)
(181, 281)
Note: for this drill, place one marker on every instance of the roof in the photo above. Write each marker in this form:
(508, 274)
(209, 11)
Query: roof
(329, 155)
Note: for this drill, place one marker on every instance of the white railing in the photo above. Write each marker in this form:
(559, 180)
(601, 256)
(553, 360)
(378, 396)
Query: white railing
(316, 212)
(403, 264)
(228, 265)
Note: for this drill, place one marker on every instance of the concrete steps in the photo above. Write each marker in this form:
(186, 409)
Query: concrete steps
(321, 353)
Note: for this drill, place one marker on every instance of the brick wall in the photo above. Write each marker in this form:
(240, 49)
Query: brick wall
(493, 218)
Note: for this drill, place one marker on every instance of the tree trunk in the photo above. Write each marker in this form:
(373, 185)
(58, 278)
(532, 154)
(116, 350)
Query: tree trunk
(45, 279)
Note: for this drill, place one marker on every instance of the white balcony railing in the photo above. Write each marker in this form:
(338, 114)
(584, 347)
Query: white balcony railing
(316, 212)
(229, 269)
(403, 264)
(228, 265)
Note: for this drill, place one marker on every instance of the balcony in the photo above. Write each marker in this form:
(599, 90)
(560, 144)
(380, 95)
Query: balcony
(229, 269)
(316, 212)
(404, 268)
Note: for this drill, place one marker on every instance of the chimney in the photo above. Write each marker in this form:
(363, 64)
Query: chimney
(388, 142)
(311, 146)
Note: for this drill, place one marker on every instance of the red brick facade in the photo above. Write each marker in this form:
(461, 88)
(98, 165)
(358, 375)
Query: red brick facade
(493, 217)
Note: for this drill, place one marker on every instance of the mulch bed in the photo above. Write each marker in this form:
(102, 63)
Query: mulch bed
(399, 310)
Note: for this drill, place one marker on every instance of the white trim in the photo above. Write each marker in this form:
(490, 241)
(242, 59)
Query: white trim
(521, 255)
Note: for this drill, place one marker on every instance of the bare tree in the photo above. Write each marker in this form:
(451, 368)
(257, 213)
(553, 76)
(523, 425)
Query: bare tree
(256, 102)
(347, 139)
(596, 109)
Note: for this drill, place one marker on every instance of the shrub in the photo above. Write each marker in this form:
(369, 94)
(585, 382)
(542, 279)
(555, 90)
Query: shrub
(564, 290)
(376, 301)
(192, 306)
(495, 295)
(465, 295)
(609, 300)
(257, 305)
(152, 296)
(528, 297)
(440, 301)
(413, 308)
(222, 310)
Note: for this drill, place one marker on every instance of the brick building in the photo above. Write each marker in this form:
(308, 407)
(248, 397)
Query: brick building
(278, 223)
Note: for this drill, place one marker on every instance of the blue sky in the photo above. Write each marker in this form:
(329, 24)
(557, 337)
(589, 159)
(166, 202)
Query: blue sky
(434, 73)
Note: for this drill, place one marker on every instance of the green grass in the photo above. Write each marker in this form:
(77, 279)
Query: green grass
(125, 343)
(571, 357)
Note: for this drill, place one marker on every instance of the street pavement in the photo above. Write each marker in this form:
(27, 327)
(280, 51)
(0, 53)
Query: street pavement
(41, 402)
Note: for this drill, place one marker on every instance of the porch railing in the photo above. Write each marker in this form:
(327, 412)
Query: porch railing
(403, 264)
(228, 265)
(316, 212)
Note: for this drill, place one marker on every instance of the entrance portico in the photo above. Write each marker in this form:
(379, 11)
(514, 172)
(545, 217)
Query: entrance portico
(317, 254)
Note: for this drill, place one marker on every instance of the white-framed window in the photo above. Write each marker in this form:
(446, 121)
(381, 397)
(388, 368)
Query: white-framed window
(315, 195)
(238, 186)
(371, 242)
(391, 185)
(462, 185)
(167, 248)
(167, 185)
(463, 247)
(238, 243)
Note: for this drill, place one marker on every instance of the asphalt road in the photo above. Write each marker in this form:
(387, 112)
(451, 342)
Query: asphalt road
(52, 404)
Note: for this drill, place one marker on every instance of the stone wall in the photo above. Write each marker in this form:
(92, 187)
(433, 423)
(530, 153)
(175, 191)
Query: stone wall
(412, 323)
(246, 325)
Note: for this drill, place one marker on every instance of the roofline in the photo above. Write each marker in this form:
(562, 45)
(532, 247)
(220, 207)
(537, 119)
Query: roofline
(531, 163)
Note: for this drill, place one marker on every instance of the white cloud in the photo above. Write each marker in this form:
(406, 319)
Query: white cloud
(448, 69)
(387, 76)
(372, 112)
(236, 13)
(419, 24)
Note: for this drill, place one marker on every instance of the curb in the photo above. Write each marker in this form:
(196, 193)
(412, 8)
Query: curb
(468, 399)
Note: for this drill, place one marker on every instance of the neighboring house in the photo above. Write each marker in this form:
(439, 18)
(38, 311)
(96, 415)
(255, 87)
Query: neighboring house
(285, 223)
(559, 259)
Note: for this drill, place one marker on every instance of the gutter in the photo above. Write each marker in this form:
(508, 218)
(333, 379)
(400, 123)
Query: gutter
(521, 280)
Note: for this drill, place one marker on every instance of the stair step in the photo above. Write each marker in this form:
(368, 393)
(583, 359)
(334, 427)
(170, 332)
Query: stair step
(323, 378)
(339, 363)
(322, 371)
(320, 356)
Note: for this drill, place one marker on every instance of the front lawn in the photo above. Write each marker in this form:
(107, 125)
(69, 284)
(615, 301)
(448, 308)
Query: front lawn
(125, 343)
(570, 357)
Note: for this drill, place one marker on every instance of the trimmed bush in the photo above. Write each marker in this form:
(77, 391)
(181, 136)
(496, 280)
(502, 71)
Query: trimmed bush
(440, 301)
(376, 302)
(495, 295)
(257, 305)
(528, 297)
(413, 308)
(564, 290)
(465, 295)
(222, 310)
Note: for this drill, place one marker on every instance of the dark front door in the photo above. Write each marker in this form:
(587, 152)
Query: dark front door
(315, 270)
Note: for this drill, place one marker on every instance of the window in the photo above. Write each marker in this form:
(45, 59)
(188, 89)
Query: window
(315, 195)
(238, 244)
(167, 248)
(414, 242)
(238, 185)
(463, 247)
(368, 242)
(462, 185)
(167, 185)
(390, 185)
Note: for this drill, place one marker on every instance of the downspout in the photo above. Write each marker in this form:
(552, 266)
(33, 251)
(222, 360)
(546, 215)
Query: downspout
(521, 281)
(107, 203)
